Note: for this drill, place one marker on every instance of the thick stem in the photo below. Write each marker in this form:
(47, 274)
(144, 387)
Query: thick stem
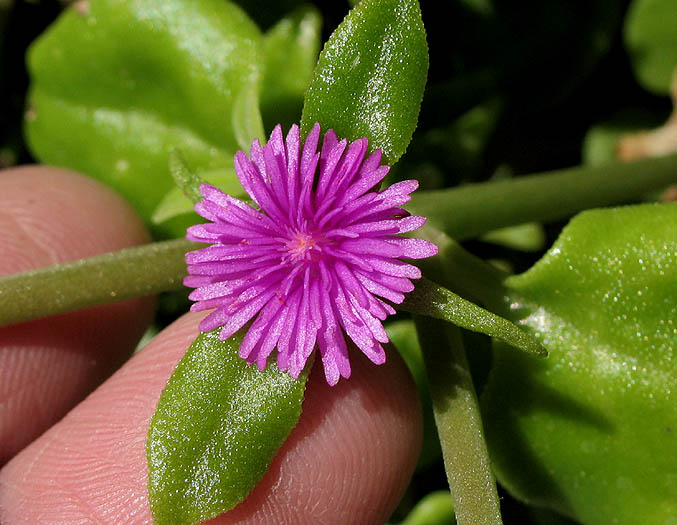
(459, 424)
(475, 209)
(471, 210)
(134, 272)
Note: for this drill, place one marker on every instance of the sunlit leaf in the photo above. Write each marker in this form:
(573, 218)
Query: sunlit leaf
(435, 301)
(651, 38)
(370, 77)
(117, 84)
(589, 431)
(218, 425)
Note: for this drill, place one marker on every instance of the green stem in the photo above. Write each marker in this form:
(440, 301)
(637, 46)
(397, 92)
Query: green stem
(459, 424)
(477, 208)
(134, 272)
(469, 211)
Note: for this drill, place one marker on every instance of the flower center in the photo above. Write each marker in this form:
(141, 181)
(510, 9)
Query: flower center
(303, 246)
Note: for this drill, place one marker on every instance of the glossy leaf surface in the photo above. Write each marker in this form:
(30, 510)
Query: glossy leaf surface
(589, 431)
(218, 424)
(370, 77)
(116, 84)
(433, 300)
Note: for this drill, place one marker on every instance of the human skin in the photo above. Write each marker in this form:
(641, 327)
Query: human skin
(348, 460)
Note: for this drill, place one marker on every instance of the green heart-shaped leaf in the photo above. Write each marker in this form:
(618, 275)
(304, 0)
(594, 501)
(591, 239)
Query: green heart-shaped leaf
(116, 84)
(651, 38)
(590, 431)
(218, 425)
(370, 77)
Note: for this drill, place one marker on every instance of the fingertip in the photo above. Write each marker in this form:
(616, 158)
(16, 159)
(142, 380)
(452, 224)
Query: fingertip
(348, 460)
(50, 215)
(47, 216)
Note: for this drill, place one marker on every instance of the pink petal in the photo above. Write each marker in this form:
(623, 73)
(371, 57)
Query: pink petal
(414, 248)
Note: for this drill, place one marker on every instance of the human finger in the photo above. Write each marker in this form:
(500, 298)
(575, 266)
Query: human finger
(48, 216)
(348, 460)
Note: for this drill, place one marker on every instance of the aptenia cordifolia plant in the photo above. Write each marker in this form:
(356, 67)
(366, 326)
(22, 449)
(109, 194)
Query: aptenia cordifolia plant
(535, 313)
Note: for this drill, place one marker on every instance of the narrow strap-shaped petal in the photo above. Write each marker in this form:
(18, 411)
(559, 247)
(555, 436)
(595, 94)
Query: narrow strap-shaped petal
(230, 211)
(224, 200)
(332, 184)
(357, 261)
(330, 157)
(256, 156)
(276, 168)
(328, 354)
(361, 336)
(376, 228)
(412, 248)
(411, 223)
(370, 245)
(379, 309)
(199, 233)
(380, 289)
(293, 183)
(371, 322)
(256, 186)
(372, 162)
(195, 281)
(274, 329)
(259, 327)
(308, 157)
(229, 267)
(393, 267)
(349, 210)
(376, 207)
(276, 143)
(283, 349)
(217, 289)
(217, 318)
(334, 353)
(400, 284)
(351, 284)
(331, 342)
(242, 316)
(363, 184)
(226, 252)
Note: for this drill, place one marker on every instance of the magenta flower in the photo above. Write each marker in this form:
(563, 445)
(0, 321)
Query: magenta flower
(314, 262)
